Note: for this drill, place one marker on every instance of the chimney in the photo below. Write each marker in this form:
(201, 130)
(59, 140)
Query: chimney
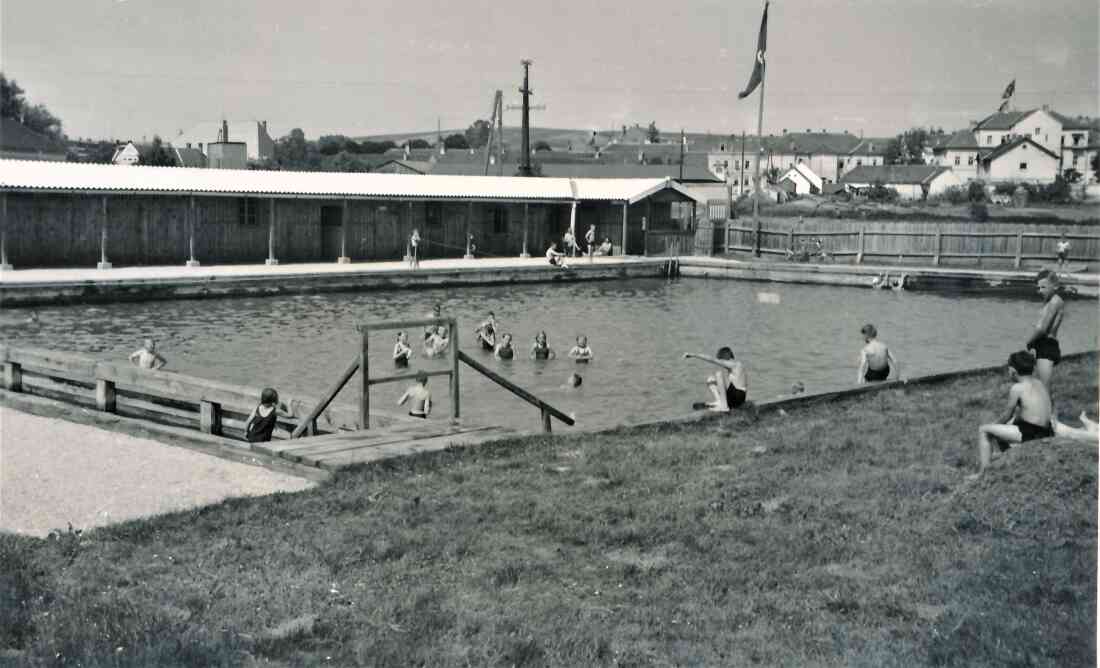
(225, 131)
(263, 124)
(1046, 107)
(784, 132)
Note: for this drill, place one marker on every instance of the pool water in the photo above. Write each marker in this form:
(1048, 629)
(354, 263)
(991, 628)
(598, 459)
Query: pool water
(638, 329)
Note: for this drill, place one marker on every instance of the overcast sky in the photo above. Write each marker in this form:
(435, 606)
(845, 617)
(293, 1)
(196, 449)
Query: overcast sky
(128, 68)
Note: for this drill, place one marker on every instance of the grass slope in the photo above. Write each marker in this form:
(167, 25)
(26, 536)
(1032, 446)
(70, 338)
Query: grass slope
(837, 534)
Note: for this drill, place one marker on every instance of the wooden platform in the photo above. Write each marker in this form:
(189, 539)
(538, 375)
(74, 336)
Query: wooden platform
(336, 451)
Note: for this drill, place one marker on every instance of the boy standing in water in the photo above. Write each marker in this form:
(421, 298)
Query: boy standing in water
(1044, 339)
(504, 349)
(730, 386)
(402, 351)
(147, 357)
(421, 397)
(875, 359)
(486, 333)
(1027, 416)
(581, 353)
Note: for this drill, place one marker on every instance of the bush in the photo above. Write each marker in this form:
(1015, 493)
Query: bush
(978, 212)
(975, 191)
(1055, 193)
(1004, 188)
(955, 195)
(880, 193)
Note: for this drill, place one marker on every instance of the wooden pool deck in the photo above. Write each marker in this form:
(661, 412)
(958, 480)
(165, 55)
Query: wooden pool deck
(33, 287)
(335, 451)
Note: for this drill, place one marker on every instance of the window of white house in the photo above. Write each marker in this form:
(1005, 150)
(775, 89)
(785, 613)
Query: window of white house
(989, 139)
(1037, 131)
(859, 163)
(1023, 166)
(746, 167)
(970, 160)
(958, 160)
(1075, 161)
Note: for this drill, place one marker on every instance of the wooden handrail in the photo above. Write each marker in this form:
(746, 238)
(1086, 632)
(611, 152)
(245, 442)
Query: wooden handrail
(321, 405)
(546, 409)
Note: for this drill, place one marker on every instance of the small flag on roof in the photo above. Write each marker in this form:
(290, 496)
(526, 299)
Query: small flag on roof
(1010, 90)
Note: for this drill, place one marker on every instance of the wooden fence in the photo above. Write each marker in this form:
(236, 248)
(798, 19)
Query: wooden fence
(159, 396)
(981, 244)
(669, 243)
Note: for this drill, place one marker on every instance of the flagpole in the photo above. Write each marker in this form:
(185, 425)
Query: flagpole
(759, 154)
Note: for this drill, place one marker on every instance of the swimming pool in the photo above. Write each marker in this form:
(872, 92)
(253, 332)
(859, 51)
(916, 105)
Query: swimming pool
(638, 329)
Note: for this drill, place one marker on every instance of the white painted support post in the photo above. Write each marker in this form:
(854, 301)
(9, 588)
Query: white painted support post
(271, 261)
(210, 417)
(4, 265)
(105, 396)
(526, 224)
(625, 207)
(939, 248)
(645, 237)
(344, 259)
(469, 217)
(13, 377)
(859, 254)
(103, 263)
(1019, 249)
(408, 234)
(191, 261)
(454, 370)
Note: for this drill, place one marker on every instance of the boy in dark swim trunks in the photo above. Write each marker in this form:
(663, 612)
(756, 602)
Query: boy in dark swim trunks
(730, 386)
(1044, 339)
(421, 397)
(486, 333)
(401, 350)
(504, 349)
(540, 349)
(1027, 416)
(875, 359)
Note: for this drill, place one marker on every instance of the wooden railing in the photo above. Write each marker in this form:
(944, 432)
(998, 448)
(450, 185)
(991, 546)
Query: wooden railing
(159, 396)
(921, 245)
(546, 411)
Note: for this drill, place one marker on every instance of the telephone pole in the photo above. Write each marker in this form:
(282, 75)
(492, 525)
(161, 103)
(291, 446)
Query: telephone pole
(525, 168)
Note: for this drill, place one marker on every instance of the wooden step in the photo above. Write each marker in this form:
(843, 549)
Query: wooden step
(354, 441)
(405, 448)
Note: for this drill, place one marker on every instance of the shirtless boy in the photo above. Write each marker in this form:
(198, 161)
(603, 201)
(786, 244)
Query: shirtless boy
(421, 397)
(147, 357)
(875, 360)
(730, 386)
(402, 351)
(486, 333)
(581, 353)
(1027, 416)
(1044, 339)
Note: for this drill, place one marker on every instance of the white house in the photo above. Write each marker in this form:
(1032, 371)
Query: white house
(1072, 140)
(126, 155)
(1022, 159)
(911, 181)
(803, 179)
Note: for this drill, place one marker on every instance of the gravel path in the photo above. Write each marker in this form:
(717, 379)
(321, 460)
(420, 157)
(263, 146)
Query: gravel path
(53, 472)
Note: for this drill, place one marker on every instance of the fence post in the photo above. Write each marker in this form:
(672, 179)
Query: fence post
(790, 238)
(859, 252)
(454, 369)
(546, 426)
(1019, 249)
(13, 377)
(105, 395)
(939, 248)
(210, 417)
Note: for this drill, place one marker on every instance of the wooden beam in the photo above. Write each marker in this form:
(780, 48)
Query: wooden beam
(271, 236)
(327, 398)
(103, 263)
(513, 388)
(401, 324)
(625, 207)
(469, 217)
(526, 225)
(344, 259)
(191, 262)
(13, 377)
(4, 265)
(364, 386)
(105, 395)
(455, 352)
(412, 375)
(210, 417)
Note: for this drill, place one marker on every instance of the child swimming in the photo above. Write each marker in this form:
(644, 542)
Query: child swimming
(504, 349)
(540, 349)
(401, 350)
(486, 333)
(581, 353)
(147, 357)
(421, 397)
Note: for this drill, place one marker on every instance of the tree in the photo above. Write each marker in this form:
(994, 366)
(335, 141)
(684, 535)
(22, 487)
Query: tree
(456, 141)
(652, 133)
(331, 144)
(908, 147)
(375, 147)
(542, 146)
(418, 143)
(35, 117)
(156, 155)
(477, 135)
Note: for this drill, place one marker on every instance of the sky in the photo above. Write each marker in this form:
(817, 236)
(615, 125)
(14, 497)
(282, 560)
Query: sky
(133, 68)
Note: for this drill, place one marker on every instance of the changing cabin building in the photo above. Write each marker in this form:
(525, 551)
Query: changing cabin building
(79, 214)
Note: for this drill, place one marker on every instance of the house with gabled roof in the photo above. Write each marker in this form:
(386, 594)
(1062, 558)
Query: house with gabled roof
(911, 181)
(802, 180)
(126, 154)
(1021, 159)
(958, 150)
(18, 142)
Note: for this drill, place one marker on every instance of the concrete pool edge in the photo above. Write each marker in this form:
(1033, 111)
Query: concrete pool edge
(918, 277)
(81, 286)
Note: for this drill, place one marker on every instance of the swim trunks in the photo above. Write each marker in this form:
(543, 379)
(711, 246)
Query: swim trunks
(418, 415)
(401, 362)
(486, 345)
(542, 353)
(1028, 432)
(1047, 348)
(734, 396)
(582, 360)
(506, 353)
(874, 375)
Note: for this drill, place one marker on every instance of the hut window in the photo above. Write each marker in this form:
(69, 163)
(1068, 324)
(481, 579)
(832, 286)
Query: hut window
(1023, 166)
(433, 214)
(246, 211)
(500, 220)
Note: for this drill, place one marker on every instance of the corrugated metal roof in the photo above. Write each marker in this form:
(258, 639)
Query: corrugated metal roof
(31, 175)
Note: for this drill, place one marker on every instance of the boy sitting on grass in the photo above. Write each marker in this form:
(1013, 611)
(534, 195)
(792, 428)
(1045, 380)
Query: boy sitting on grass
(1027, 416)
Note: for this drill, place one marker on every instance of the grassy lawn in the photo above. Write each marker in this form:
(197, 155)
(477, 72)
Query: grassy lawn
(833, 534)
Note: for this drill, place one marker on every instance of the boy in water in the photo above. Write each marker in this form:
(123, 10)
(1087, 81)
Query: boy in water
(147, 357)
(437, 342)
(1044, 339)
(430, 330)
(486, 333)
(605, 247)
(402, 351)
(730, 386)
(421, 397)
(261, 421)
(581, 353)
(1027, 416)
(875, 359)
(504, 349)
(540, 349)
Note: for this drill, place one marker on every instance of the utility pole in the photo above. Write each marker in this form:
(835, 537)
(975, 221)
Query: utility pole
(496, 125)
(525, 168)
(683, 143)
(741, 183)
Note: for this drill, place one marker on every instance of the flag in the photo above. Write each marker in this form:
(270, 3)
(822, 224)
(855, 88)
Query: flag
(1010, 89)
(758, 67)
(1004, 106)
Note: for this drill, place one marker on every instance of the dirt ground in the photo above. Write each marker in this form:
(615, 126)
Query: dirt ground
(54, 472)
